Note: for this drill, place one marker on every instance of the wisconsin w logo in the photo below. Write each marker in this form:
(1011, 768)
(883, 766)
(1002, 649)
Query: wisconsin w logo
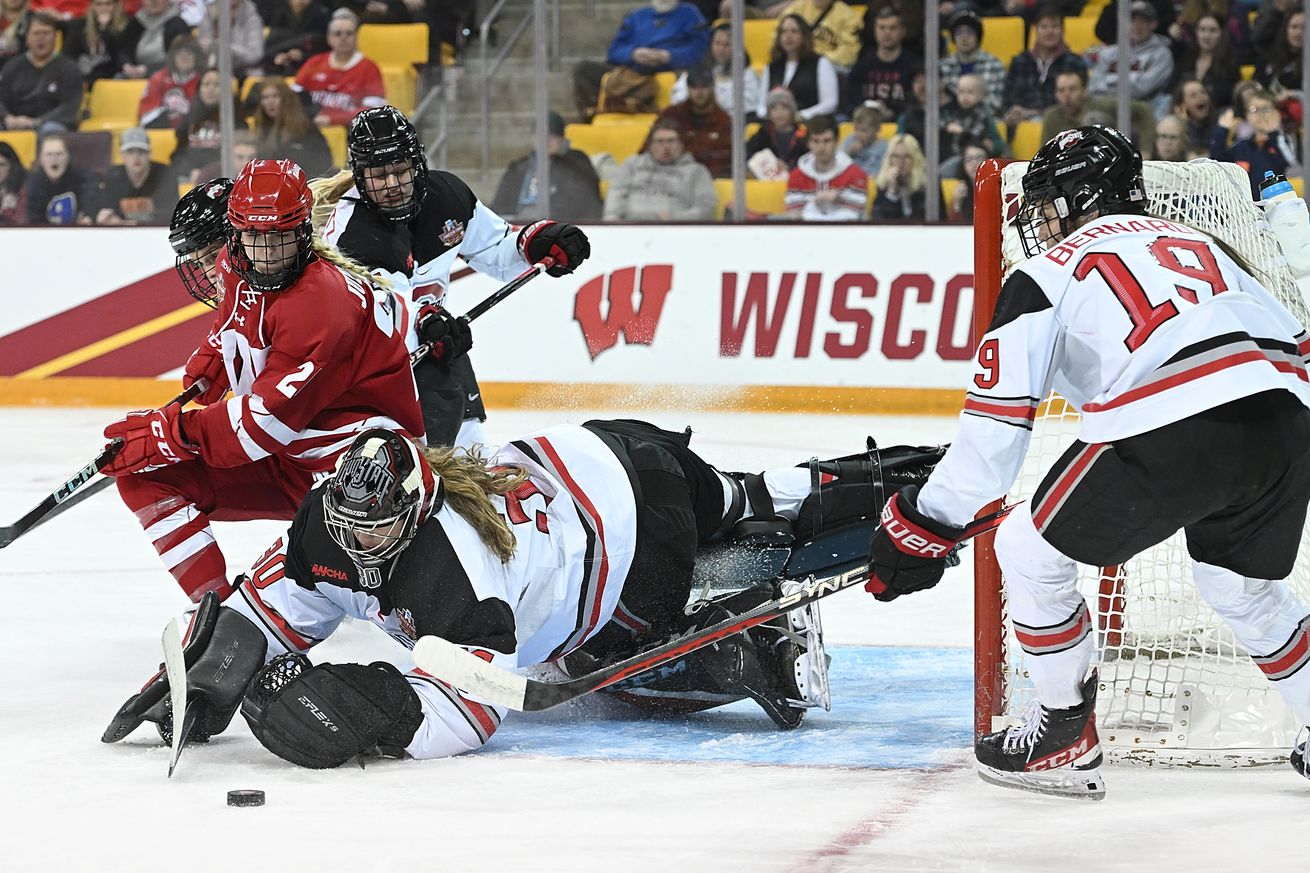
(605, 312)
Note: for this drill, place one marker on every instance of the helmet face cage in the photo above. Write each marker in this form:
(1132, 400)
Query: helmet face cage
(191, 267)
(271, 234)
(196, 232)
(382, 490)
(271, 247)
(380, 138)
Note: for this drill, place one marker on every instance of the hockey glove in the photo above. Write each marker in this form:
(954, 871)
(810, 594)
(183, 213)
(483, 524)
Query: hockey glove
(222, 650)
(909, 551)
(322, 716)
(566, 244)
(205, 364)
(152, 438)
(450, 337)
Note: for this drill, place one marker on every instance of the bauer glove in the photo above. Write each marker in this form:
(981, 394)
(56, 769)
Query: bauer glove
(909, 551)
(565, 244)
(449, 336)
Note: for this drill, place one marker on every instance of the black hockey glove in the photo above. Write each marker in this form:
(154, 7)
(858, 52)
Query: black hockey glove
(909, 551)
(566, 244)
(222, 650)
(322, 716)
(448, 335)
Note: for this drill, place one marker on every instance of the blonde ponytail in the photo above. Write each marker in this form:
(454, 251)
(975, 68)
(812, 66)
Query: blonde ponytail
(327, 191)
(469, 482)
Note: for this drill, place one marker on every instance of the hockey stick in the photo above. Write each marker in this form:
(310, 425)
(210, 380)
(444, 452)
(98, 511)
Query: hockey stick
(513, 285)
(184, 715)
(62, 497)
(459, 667)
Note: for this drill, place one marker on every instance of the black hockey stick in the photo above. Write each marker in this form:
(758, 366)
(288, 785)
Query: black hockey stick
(62, 498)
(459, 667)
(513, 285)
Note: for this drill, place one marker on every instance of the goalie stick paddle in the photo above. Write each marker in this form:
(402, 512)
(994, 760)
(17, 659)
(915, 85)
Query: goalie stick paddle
(457, 666)
(513, 285)
(62, 497)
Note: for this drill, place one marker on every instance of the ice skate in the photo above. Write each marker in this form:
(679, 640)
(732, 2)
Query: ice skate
(1053, 751)
(1298, 758)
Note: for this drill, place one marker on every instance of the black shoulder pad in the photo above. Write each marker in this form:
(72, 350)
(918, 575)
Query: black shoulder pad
(1020, 295)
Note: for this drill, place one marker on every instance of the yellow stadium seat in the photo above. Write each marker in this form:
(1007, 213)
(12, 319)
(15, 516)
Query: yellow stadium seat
(1298, 185)
(872, 186)
(664, 82)
(183, 188)
(401, 83)
(1027, 139)
(765, 197)
(1092, 8)
(758, 36)
(23, 143)
(1247, 71)
(1080, 34)
(620, 141)
(948, 190)
(645, 119)
(845, 129)
(114, 104)
(750, 130)
(396, 44)
(335, 134)
(887, 131)
(162, 145)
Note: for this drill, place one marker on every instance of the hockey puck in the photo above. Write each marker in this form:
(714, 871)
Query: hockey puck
(245, 798)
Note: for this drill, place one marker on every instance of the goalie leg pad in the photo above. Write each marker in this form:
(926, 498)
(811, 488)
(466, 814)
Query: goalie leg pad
(322, 716)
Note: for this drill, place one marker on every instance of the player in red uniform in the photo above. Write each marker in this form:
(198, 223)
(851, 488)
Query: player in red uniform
(311, 352)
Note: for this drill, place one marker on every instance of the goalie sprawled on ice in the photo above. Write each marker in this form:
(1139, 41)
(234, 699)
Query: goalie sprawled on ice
(577, 545)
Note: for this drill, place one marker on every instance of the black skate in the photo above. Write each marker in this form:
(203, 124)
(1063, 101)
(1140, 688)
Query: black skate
(1053, 751)
(1298, 759)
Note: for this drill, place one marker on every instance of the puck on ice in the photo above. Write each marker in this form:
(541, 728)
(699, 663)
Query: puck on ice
(245, 798)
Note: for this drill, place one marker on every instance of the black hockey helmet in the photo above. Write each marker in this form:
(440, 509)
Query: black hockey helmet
(382, 490)
(1091, 170)
(196, 233)
(383, 137)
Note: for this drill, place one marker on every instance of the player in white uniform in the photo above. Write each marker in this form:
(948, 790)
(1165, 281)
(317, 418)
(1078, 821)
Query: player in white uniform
(1191, 381)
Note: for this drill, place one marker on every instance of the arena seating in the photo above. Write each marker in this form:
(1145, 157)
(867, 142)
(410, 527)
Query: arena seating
(114, 104)
(23, 143)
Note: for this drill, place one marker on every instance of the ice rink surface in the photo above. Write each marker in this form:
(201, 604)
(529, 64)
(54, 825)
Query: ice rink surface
(882, 782)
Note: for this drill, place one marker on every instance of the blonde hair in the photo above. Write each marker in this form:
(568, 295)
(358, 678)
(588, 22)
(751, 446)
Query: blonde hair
(327, 191)
(336, 258)
(469, 482)
(918, 171)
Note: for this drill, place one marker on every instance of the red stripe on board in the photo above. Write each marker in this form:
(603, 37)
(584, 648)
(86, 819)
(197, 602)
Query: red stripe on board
(91, 321)
(1297, 652)
(582, 498)
(151, 355)
(1063, 484)
(1193, 374)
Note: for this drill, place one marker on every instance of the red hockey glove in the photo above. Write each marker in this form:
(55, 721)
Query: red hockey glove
(566, 244)
(204, 364)
(449, 336)
(909, 551)
(152, 438)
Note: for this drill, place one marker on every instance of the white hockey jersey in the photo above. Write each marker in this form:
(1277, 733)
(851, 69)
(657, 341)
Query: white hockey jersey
(1137, 322)
(575, 523)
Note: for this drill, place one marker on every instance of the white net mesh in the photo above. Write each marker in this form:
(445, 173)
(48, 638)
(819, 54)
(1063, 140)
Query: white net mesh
(1176, 687)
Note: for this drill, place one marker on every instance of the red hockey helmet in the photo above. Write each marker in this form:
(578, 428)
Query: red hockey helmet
(268, 211)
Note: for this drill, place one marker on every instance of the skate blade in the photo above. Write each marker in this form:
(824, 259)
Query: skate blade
(1076, 784)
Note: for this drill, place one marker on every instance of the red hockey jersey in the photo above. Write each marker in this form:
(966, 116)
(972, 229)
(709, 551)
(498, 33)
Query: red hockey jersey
(309, 367)
(341, 92)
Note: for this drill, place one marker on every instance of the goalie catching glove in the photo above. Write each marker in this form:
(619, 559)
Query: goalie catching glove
(909, 551)
(565, 244)
(222, 650)
(448, 335)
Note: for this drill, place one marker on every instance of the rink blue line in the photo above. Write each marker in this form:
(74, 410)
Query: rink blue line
(892, 708)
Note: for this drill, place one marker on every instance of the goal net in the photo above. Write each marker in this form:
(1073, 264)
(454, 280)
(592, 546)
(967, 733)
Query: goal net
(1175, 686)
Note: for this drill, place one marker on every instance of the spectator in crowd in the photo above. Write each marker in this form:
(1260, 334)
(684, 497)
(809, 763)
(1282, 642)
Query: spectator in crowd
(1107, 25)
(12, 13)
(1030, 10)
(961, 205)
(40, 89)
(139, 191)
(781, 135)
(1192, 105)
(910, 14)
(1211, 60)
(1074, 108)
(1259, 145)
(885, 71)
(661, 184)
(810, 77)
(56, 192)
(969, 59)
(198, 136)
(706, 129)
(172, 87)
(574, 186)
(297, 30)
(826, 184)
(1170, 140)
(863, 145)
(834, 27)
(1233, 18)
(966, 119)
(720, 62)
(1030, 82)
(1282, 71)
(1270, 22)
(282, 130)
(102, 43)
(341, 82)
(244, 151)
(160, 23)
(12, 177)
(1150, 60)
(247, 38)
(665, 35)
(903, 182)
